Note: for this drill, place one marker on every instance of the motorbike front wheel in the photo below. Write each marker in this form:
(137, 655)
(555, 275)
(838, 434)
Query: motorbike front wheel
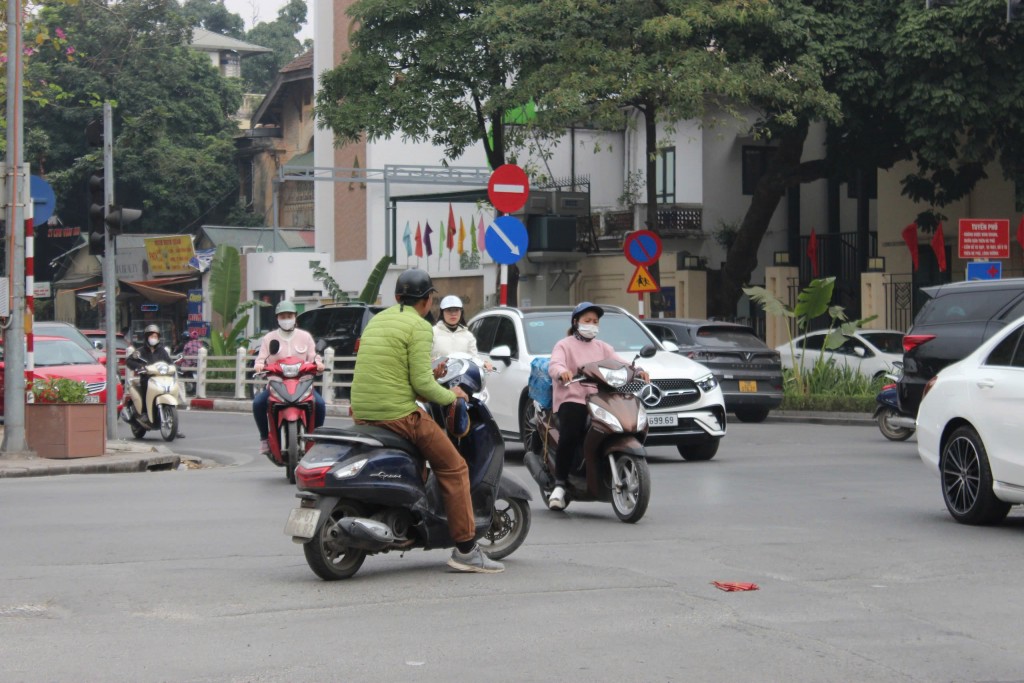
(630, 501)
(889, 430)
(168, 421)
(510, 523)
(294, 452)
(329, 559)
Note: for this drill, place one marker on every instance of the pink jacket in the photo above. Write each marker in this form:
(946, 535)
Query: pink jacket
(298, 343)
(569, 354)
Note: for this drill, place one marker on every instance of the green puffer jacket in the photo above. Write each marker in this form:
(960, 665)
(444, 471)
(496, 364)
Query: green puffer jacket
(393, 367)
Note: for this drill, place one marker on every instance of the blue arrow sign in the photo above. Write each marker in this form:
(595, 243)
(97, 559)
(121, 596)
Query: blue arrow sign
(984, 270)
(506, 240)
(43, 200)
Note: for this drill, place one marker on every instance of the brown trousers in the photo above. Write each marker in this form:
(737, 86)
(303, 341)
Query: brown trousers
(447, 464)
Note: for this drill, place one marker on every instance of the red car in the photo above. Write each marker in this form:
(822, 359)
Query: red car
(57, 357)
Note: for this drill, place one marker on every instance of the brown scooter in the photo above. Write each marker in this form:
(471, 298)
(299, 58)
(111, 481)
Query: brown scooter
(613, 464)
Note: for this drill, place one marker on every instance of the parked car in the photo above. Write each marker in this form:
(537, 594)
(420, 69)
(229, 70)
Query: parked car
(340, 326)
(869, 352)
(749, 372)
(99, 341)
(969, 429)
(954, 320)
(685, 406)
(57, 357)
(53, 328)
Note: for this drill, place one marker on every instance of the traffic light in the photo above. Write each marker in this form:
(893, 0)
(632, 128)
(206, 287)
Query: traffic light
(1014, 10)
(119, 217)
(97, 226)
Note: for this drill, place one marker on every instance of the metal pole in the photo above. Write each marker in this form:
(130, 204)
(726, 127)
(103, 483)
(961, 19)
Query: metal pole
(276, 185)
(109, 270)
(14, 368)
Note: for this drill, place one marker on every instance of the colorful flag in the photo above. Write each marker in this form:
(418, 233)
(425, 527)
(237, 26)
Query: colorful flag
(910, 237)
(407, 238)
(472, 238)
(812, 253)
(419, 241)
(426, 239)
(462, 237)
(939, 247)
(481, 234)
(451, 228)
(441, 235)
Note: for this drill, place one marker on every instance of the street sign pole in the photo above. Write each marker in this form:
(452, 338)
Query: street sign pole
(640, 304)
(109, 270)
(506, 238)
(503, 286)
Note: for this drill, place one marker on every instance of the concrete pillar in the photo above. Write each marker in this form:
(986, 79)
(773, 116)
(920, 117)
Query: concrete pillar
(872, 300)
(777, 280)
(691, 294)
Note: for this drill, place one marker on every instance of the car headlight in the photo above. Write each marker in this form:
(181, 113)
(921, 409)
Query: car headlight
(603, 415)
(350, 470)
(707, 383)
(615, 378)
(641, 419)
(290, 370)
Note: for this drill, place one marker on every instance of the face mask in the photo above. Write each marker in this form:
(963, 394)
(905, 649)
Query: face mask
(153, 341)
(286, 325)
(587, 331)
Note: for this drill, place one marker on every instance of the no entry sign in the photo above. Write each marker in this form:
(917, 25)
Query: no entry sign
(508, 188)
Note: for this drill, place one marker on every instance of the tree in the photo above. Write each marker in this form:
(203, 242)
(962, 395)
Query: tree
(214, 16)
(174, 150)
(259, 71)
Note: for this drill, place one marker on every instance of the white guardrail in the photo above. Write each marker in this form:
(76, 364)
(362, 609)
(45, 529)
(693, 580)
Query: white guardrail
(234, 374)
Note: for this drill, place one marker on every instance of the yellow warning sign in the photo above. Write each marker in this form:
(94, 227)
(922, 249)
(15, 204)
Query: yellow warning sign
(641, 282)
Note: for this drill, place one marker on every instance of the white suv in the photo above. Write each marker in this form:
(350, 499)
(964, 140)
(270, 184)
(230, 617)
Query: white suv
(685, 406)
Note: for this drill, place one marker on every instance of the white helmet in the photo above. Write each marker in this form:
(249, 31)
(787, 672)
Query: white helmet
(451, 301)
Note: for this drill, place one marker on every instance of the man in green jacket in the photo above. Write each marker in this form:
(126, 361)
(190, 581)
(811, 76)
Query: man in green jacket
(392, 370)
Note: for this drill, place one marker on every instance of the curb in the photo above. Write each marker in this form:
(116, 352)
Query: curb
(104, 464)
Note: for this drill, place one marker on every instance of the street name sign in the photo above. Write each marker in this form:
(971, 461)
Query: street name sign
(984, 238)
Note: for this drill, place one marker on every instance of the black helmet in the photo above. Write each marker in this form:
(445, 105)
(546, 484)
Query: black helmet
(413, 285)
(150, 329)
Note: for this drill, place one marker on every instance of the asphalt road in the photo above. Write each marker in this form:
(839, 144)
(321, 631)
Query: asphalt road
(187, 576)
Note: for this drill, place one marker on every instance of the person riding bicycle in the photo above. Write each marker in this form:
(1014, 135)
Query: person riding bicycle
(392, 369)
(292, 342)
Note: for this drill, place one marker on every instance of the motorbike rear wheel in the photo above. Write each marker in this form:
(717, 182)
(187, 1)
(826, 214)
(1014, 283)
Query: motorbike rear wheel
(889, 430)
(327, 558)
(630, 502)
(138, 431)
(168, 421)
(294, 452)
(510, 523)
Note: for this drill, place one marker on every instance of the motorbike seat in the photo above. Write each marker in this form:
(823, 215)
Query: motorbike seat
(385, 437)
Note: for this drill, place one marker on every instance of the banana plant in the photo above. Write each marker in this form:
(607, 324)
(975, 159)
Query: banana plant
(370, 291)
(225, 300)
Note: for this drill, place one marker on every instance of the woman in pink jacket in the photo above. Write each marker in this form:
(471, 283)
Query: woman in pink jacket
(570, 402)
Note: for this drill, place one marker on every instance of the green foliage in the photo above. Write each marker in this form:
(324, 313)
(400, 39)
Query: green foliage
(259, 71)
(225, 300)
(214, 16)
(370, 291)
(59, 390)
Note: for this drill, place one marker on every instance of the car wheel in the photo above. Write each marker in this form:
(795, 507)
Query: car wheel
(699, 451)
(967, 480)
(751, 414)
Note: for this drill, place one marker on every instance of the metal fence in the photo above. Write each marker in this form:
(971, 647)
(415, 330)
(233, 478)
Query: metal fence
(234, 375)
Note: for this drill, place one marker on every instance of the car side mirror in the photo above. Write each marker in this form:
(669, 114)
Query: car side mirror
(502, 353)
(102, 360)
(669, 346)
(860, 351)
(649, 350)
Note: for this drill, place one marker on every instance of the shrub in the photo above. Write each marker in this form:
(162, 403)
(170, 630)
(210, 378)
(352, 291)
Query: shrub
(59, 390)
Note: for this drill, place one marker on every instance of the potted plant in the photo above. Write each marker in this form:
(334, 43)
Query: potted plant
(60, 422)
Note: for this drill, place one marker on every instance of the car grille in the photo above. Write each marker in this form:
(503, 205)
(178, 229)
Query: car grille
(95, 387)
(673, 392)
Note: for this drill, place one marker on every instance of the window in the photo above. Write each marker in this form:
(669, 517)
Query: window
(812, 342)
(483, 330)
(665, 174)
(961, 306)
(663, 333)
(850, 347)
(267, 319)
(505, 335)
(755, 163)
(1002, 354)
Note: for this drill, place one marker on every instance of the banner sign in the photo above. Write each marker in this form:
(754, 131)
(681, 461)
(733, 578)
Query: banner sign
(984, 238)
(170, 255)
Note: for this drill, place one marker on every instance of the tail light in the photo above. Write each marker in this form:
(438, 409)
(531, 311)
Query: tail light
(356, 348)
(312, 477)
(912, 341)
(928, 386)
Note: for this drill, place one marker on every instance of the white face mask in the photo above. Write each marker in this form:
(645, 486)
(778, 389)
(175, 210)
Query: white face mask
(587, 331)
(153, 341)
(287, 325)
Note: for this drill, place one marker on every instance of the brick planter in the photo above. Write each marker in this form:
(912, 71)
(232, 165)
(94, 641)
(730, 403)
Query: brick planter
(66, 430)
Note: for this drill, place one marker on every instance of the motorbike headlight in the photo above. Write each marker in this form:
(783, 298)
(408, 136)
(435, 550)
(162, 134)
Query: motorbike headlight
(350, 470)
(707, 383)
(615, 378)
(290, 370)
(603, 415)
(641, 419)
(163, 369)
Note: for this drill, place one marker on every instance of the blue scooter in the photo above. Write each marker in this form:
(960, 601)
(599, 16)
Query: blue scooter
(365, 490)
(894, 424)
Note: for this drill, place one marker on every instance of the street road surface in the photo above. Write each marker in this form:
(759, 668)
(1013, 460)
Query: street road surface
(186, 576)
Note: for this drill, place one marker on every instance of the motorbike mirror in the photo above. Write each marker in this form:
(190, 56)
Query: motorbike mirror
(502, 353)
(320, 346)
(275, 346)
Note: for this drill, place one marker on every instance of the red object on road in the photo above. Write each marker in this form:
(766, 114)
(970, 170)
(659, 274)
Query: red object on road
(508, 188)
(731, 586)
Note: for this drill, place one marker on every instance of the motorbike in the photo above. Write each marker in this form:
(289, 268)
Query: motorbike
(291, 410)
(894, 424)
(611, 463)
(365, 490)
(162, 401)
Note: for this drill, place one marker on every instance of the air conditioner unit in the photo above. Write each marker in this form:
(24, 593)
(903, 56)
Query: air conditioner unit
(252, 249)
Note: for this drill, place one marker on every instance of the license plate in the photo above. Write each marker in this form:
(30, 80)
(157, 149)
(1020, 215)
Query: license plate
(302, 522)
(92, 399)
(748, 386)
(662, 420)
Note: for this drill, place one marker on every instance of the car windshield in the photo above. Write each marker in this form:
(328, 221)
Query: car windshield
(51, 352)
(886, 342)
(543, 330)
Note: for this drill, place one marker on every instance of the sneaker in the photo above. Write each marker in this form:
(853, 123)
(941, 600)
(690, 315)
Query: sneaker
(556, 501)
(474, 561)
(264, 447)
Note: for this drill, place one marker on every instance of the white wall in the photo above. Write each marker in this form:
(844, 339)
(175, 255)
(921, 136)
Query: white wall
(281, 271)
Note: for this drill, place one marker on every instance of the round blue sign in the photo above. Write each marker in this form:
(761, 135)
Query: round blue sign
(506, 240)
(43, 200)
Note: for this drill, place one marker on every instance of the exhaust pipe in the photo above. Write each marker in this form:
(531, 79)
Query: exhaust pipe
(367, 534)
(537, 471)
(902, 421)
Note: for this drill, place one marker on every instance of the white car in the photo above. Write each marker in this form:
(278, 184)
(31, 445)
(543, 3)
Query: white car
(685, 406)
(870, 352)
(969, 429)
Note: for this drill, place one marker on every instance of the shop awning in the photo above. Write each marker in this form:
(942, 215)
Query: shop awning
(153, 291)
